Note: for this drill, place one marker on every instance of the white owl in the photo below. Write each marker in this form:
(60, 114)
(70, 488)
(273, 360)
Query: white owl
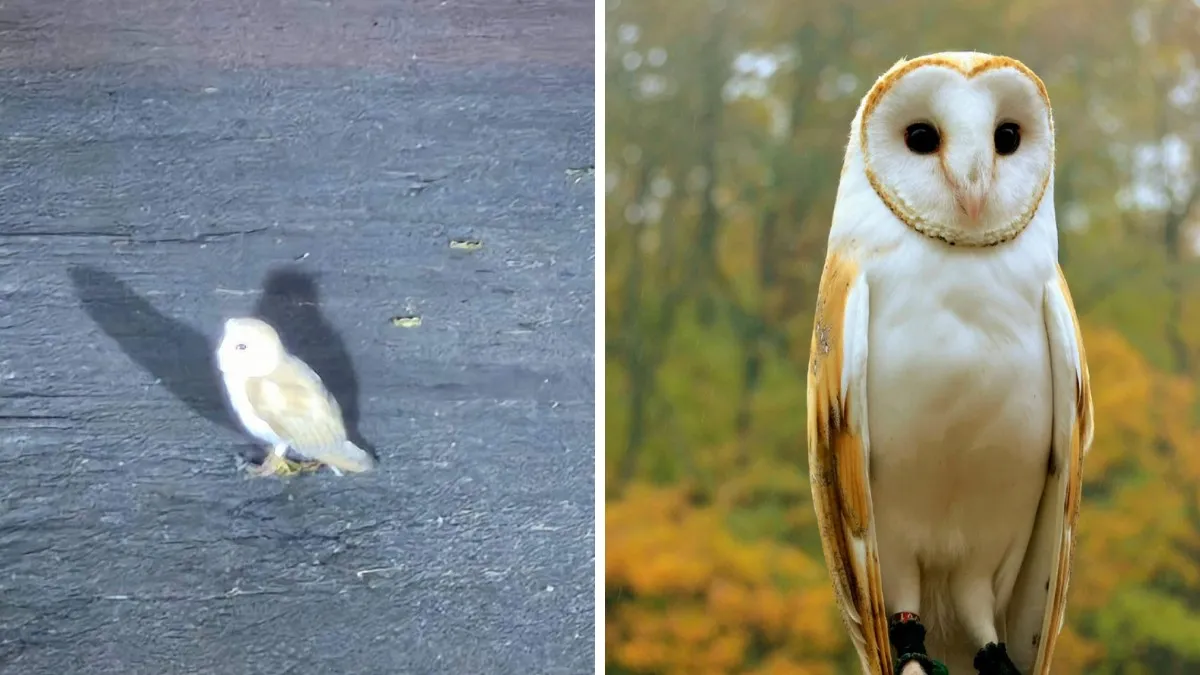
(949, 409)
(281, 401)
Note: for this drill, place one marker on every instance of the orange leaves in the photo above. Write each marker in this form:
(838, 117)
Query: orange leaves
(1072, 654)
(687, 596)
(1122, 382)
(677, 638)
(776, 665)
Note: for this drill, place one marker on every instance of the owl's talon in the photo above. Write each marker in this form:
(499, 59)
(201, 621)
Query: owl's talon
(286, 467)
(993, 659)
(274, 465)
(303, 467)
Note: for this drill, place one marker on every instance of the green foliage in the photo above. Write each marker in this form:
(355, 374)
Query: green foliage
(1152, 619)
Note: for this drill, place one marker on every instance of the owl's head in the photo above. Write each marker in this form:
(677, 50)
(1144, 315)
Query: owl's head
(959, 145)
(249, 348)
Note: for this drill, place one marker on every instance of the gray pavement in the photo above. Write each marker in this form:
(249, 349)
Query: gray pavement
(164, 165)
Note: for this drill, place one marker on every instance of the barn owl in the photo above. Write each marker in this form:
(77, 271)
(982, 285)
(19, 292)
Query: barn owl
(949, 409)
(282, 402)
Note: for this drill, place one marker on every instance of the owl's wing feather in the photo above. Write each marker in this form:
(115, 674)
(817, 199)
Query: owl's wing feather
(838, 457)
(294, 403)
(1035, 615)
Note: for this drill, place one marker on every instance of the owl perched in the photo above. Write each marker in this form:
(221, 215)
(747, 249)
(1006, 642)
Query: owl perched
(949, 408)
(281, 401)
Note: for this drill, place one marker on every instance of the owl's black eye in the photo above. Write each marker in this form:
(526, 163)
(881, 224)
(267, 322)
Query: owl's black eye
(241, 346)
(1007, 138)
(922, 138)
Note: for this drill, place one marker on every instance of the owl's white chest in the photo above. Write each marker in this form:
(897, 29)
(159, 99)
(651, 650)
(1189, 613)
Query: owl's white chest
(235, 388)
(959, 399)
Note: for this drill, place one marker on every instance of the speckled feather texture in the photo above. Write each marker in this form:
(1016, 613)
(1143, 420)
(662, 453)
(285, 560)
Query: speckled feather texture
(949, 409)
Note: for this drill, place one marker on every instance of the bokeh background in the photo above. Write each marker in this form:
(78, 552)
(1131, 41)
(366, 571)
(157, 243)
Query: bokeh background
(726, 125)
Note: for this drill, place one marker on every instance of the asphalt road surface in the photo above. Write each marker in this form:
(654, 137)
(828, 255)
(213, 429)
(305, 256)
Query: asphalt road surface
(165, 165)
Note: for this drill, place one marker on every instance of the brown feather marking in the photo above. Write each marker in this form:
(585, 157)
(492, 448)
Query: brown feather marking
(837, 467)
(836, 435)
(980, 66)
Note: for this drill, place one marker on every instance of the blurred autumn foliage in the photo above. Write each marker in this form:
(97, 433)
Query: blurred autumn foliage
(726, 124)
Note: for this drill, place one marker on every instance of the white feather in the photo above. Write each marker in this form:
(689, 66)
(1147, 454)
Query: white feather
(235, 388)
(855, 359)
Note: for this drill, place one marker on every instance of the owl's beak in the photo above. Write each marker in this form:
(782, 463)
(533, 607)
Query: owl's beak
(972, 200)
(971, 187)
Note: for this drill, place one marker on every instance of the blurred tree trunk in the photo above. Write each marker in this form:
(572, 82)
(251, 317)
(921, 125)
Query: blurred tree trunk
(715, 69)
(633, 346)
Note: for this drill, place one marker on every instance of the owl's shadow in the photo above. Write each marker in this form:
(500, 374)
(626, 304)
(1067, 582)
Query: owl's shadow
(182, 358)
(291, 302)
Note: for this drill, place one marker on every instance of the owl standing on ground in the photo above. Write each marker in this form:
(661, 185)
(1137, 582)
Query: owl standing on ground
(949, 409)
(282, 402)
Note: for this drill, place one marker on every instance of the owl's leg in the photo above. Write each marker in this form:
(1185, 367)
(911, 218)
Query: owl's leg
(907, 635)
(902, 595)
(976, 601)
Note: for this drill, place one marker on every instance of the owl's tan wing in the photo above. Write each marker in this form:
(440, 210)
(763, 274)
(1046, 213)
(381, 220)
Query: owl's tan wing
(838, 454)
(294, 403)
(1039, 600)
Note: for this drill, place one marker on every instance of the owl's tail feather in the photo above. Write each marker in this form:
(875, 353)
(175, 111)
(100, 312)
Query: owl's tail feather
(351, 458)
